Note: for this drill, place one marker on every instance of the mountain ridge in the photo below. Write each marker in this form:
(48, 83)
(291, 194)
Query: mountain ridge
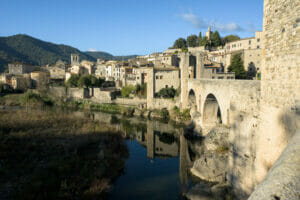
(30, 50)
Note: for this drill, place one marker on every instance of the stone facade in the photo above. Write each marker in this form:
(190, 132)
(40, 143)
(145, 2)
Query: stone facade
(20, 68)
(280, 85)
(166, 78)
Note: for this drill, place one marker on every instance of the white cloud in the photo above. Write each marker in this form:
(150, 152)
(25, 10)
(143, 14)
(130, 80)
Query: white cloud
(203, 23)
(92, 49)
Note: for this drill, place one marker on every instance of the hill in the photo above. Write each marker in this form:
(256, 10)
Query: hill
(107, 56)
(23, 48)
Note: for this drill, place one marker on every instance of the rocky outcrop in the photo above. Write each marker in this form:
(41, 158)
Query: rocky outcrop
(206, 191)
(212, 156)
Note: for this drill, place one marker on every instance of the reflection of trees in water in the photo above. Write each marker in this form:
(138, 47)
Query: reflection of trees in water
(165, 137)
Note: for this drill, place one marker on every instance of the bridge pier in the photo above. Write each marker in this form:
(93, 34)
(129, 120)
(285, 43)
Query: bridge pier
(184, 76)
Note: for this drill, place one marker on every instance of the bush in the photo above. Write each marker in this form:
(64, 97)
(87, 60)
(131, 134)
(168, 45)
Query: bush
(141, 90)
(127, 90)
(84, 81)
(73, 81)
(167, 93)
(33, 98)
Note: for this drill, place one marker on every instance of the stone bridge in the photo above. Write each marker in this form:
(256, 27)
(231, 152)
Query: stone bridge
(221, 101)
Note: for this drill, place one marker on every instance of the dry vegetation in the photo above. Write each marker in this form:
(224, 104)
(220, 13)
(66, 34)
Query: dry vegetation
(53, 155)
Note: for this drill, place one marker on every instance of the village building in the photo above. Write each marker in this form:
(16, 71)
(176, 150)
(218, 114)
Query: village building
(40, 79)
(21, 83)
(21, 68)
(166, 77)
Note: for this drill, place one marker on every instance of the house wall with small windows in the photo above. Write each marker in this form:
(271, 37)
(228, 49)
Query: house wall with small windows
(166, 78)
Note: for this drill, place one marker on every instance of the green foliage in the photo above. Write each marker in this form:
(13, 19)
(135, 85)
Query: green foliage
(34, 98)
(216, 39)
(141, 90)
(184, 49)
(204, 42)
(166, 93)
(237, 67)
(192, 40)
(230, 38)
(84, 81)
(127, 90)
(180, 43)
(182, 116)
(199, 39)
(73, 81)
(164, 113)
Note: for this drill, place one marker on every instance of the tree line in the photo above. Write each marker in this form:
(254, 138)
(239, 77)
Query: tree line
(195, 41)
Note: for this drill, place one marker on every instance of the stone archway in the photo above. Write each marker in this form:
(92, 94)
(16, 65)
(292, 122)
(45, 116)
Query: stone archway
(211, 111)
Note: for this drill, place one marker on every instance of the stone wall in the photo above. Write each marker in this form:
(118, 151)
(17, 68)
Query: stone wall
(130, 102)
(159, 103)
(62, 92)
(280, 85)
(166, 78)
(282, 181)
(100, 96)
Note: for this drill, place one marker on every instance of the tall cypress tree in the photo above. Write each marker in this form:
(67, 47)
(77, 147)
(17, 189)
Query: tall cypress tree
(200, 39)
(237, 67)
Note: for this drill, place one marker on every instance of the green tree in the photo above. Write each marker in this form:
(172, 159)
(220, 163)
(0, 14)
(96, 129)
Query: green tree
(180, 43)
(230, 38)
(199, 39)
(73, 81)
(192, 40)
(167, 93)
(237, 67)
(204, 42)
(84, 81)
(127, 90)
(216, 39)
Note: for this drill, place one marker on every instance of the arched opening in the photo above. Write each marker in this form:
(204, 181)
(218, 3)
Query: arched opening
(192, 99)
(211, 112)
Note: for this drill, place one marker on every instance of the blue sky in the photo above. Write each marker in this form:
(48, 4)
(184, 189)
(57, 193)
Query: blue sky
(124, 27)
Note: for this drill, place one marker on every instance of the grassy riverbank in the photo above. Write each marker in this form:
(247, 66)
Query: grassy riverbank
(52, 155)
(30, 99)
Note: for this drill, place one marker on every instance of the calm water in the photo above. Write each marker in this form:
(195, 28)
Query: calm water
(157, 167)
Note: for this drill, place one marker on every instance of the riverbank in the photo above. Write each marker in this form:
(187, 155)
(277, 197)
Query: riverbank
(33, 99)
(54, 155)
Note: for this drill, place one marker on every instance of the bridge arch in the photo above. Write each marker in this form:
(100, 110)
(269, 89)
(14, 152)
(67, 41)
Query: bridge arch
(212, 113)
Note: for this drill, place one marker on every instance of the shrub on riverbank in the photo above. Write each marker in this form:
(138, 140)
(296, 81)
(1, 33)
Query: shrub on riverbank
(52, 155)
(177, 115)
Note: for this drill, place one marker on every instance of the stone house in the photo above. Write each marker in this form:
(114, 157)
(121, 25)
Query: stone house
(21, 82)
(21, 68)
(166, 77)
(39, 79)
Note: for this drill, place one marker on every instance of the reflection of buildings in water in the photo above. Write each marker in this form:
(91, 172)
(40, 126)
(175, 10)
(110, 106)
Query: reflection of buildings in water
(156, 146)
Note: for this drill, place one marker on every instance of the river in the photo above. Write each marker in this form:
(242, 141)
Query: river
(157, 167)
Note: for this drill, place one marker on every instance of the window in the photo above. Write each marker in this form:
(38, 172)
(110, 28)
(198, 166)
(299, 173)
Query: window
(258, 46)
(161, 77)
(157, 77)
(166, 86)
(249, 42)
(258, 39)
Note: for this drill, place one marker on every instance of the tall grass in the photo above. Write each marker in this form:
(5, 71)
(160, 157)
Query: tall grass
(55, 155)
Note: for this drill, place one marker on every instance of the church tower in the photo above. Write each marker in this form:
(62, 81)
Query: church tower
(74, 59)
